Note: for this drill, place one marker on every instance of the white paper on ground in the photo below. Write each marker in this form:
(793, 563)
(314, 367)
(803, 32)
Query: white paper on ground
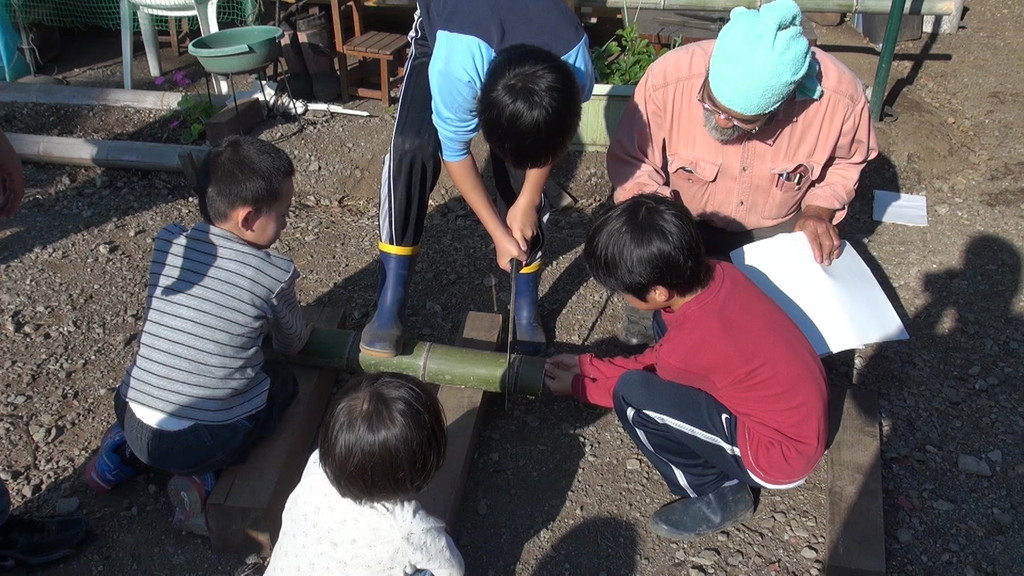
(900, 208)
(838, 307)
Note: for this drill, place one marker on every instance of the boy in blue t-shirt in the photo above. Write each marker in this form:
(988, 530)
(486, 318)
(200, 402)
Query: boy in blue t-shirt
(516, 71)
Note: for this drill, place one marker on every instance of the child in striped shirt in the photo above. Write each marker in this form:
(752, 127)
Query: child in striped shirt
(199, 392)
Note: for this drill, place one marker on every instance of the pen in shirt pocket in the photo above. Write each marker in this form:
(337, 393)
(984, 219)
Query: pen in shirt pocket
(796, 175)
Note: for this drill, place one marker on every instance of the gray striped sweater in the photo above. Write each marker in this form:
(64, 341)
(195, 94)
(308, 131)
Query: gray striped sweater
(210, 301)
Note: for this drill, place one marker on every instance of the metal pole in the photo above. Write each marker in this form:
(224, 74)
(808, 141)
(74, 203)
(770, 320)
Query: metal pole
(434, 363)
(892, 30)
(924, 7)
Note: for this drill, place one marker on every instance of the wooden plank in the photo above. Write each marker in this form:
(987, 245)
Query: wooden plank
(856, 531)
(244, 510)
(88, 96)
(395, 43)
(464, 409)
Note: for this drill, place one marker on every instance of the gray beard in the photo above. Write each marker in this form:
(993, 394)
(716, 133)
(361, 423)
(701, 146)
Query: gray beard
(719, 134)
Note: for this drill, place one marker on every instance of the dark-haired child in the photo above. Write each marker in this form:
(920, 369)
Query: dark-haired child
(354, 510)
(199, 392)
(515, 71)
(730, 396)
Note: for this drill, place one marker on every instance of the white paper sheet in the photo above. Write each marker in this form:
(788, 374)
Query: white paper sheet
(837, 307)
(900, 208)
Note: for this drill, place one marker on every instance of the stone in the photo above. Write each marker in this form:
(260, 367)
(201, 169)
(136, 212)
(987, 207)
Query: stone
(632, 464)
(904, 535)
(809, 553)
(971, 465)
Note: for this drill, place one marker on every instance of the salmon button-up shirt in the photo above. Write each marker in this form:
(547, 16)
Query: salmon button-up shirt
(809, 153)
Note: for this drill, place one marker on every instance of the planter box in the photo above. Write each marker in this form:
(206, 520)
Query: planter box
(600, 117)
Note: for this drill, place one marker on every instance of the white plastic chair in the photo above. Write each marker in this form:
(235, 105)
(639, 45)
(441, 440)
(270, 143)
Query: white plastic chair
(205, 10)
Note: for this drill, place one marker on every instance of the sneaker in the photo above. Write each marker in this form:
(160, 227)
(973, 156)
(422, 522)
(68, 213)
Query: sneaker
(109, 466)
(188, 495)
(692, 518)
(32, 542)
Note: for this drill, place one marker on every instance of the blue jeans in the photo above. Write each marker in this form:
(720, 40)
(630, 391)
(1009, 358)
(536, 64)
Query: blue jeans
(203, 448)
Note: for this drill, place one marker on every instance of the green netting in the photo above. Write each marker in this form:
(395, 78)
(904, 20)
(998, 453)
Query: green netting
(106, 13)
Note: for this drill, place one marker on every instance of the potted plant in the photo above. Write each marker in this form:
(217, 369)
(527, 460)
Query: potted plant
(618, 64)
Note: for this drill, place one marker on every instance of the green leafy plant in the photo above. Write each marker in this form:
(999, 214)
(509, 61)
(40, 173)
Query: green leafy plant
(624, 58)
(189, 120)
(192, 114)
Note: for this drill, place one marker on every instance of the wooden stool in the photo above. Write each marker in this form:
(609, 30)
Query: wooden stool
(385, 48)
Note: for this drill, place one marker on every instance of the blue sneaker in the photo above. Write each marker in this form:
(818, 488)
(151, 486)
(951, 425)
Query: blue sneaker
(108, 467)
(188, 495)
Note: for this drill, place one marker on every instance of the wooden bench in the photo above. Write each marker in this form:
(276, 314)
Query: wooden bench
(856, 529)
(244, 510)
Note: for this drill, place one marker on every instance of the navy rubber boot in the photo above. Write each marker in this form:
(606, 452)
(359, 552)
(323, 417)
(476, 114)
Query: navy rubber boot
(382, 335)
(530, 339)
(693, 518)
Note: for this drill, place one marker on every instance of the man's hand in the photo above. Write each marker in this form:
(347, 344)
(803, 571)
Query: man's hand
(12, 179)
(522, 221)
(559, 372)
(816, 223)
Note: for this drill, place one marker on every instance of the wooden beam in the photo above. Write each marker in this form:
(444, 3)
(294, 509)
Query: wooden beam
(856, 531)
(103, 153)
(463, 408)
(244, 510)
(88, 96)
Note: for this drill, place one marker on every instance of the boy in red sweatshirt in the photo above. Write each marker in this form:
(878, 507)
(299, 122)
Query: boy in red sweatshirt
(730, 396)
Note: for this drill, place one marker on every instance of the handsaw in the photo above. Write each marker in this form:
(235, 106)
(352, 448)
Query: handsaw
(514, 266)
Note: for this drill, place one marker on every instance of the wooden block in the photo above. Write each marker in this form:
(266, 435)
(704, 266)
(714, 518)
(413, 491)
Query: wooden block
(244, 510)
(463, 408)
(856, 531)
(231, 121)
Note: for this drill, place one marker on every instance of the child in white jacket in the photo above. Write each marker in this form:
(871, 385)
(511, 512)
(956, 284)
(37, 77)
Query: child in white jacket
(354, 511)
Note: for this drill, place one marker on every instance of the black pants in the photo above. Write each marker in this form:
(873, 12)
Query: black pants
(719, 243)
(208, 447)
(413, 163)
(686, 434)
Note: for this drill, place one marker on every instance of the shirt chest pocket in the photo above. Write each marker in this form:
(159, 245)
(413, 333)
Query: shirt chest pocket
(692, 177)
(791, 181)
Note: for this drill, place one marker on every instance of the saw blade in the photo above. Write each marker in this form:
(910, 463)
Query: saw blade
(513, 266)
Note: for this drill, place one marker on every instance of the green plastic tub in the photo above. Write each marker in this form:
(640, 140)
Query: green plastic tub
(237, 50)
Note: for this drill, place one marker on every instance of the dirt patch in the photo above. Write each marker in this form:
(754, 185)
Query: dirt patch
(556, 487)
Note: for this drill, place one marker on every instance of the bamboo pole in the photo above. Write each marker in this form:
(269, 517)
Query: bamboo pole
(925, 7)
(434, 363)
(103, 153)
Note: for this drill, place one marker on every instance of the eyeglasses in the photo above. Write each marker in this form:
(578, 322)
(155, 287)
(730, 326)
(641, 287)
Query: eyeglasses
(748, 125)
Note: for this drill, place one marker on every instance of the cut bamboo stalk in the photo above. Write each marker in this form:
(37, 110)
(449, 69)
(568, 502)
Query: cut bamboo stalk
(102, 153)
(430, 362)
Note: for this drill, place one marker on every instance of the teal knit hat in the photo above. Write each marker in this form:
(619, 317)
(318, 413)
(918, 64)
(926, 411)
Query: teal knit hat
(760, 58)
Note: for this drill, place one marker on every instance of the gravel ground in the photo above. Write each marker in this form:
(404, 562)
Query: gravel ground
(557, 487)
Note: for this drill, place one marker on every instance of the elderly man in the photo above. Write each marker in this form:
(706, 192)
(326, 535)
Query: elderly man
(756, 131)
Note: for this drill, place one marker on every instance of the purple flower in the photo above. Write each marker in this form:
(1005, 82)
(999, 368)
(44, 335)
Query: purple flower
(159, 80)
(175, 124)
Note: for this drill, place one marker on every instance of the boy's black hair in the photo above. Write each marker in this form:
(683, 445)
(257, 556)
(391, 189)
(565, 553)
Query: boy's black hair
(647, 241)
(529, 106)
(384, 439)
(241, 171)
